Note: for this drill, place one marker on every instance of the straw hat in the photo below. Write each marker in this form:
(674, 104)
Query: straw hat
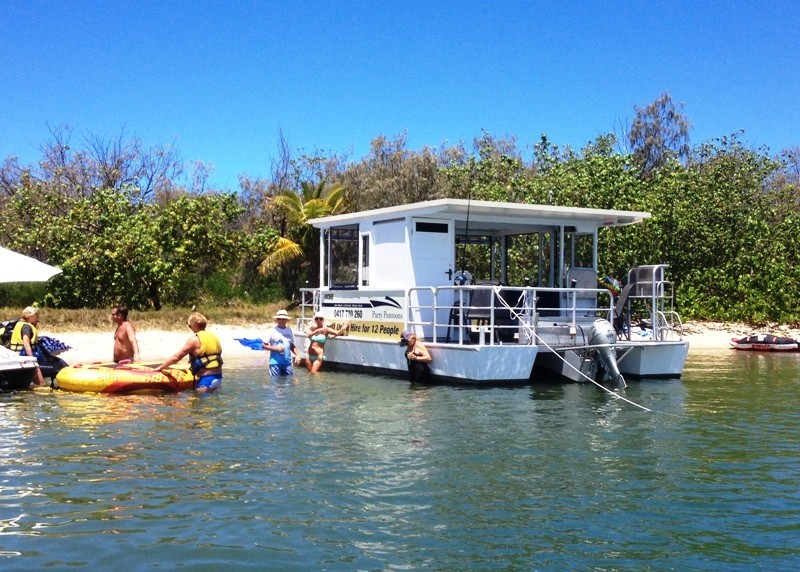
(281, 315)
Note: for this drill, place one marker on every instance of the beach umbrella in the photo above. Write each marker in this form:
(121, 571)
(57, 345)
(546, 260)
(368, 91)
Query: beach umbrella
(15, 267)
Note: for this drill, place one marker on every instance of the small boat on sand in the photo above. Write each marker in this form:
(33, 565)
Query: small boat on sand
(124, 378)
(765, 343)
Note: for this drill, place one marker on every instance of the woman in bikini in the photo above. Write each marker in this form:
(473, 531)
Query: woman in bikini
(318, 334)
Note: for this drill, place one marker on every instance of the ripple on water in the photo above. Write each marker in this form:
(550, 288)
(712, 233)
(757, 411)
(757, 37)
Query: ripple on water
(343, 471)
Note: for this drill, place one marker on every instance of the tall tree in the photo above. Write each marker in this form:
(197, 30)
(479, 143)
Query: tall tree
(391, 175)
(295, 253)
(659, 134)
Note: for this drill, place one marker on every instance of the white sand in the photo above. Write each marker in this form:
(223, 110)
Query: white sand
(718, 335)
(156, 345)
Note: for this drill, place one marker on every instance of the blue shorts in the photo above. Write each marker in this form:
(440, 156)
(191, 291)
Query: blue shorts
(211, 382)
(277, 369)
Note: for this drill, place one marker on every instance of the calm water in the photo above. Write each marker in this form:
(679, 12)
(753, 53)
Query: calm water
(352, 472)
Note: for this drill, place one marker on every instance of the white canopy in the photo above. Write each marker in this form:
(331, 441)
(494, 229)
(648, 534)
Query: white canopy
(15, 267)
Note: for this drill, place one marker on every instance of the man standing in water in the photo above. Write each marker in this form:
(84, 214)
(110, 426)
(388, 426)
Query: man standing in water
(280, 344)
(205, 355)
(126, 348)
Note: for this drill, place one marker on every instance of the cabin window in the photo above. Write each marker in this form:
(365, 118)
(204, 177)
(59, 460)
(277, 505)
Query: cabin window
(365, 260)
(529, 259)
(580, 250)
(478, 255)
(432, 227)
(342, 260)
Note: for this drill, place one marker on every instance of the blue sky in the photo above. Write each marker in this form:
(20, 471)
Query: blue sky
(220, 80)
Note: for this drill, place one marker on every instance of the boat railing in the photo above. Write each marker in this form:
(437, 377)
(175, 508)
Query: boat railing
(496, 315)
(309, 305)
(651, 298)
(668, 326)
(492, 314)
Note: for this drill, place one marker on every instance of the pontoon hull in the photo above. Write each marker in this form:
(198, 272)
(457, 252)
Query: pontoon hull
(652, 359)
(468, 364)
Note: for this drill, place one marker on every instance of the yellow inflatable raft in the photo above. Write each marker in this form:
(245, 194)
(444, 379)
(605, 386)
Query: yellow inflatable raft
(124, 378)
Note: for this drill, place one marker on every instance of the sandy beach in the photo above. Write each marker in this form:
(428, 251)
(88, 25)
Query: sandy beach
(156, 345)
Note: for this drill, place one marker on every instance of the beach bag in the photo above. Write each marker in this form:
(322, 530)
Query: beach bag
(6, 329)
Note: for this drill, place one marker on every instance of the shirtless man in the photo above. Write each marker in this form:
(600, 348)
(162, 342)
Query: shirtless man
(126, 348)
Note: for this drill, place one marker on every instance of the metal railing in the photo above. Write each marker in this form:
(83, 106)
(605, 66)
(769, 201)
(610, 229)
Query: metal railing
(493, 314)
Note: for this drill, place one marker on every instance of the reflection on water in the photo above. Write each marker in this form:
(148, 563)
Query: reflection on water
(346, 472)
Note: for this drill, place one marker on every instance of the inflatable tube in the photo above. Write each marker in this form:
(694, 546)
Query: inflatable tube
(765, 343)
(124, 378)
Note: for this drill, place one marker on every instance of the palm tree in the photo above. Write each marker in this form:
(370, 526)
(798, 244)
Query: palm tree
(300, 241)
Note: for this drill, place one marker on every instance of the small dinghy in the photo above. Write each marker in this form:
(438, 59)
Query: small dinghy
(765, 343)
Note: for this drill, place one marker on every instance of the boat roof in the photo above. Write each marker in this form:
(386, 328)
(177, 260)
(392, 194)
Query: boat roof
(492, 217)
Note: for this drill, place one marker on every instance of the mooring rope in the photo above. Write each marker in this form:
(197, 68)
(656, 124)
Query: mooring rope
(539, 339)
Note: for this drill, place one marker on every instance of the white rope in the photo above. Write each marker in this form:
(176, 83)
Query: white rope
(539, 339)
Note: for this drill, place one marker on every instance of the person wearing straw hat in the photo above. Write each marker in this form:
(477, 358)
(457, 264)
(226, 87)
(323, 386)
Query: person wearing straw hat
(280, 343)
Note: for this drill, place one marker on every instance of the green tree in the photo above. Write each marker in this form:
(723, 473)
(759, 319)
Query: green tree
(111, 249)
(295, 252)
(391, 175)
(659, 134)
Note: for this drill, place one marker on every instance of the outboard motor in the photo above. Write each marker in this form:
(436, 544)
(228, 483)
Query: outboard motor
(603, 334)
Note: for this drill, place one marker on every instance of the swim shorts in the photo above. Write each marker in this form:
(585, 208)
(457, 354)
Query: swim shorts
(276, 370)
(211, 382)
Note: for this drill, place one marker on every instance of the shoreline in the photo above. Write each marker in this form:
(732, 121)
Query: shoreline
(156, 345)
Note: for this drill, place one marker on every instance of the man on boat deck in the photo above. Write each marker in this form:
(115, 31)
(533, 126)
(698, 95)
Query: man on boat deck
(126, 348)
(280, 343)
(205, 355)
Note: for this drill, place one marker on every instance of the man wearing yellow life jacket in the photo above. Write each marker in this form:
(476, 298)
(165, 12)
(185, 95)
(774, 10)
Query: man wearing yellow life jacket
(25, 338)
(205, 355)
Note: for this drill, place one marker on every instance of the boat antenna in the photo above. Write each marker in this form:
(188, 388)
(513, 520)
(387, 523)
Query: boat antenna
(462, 275)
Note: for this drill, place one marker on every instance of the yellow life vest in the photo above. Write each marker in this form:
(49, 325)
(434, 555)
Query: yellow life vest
(210, 355)
(16, 344)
